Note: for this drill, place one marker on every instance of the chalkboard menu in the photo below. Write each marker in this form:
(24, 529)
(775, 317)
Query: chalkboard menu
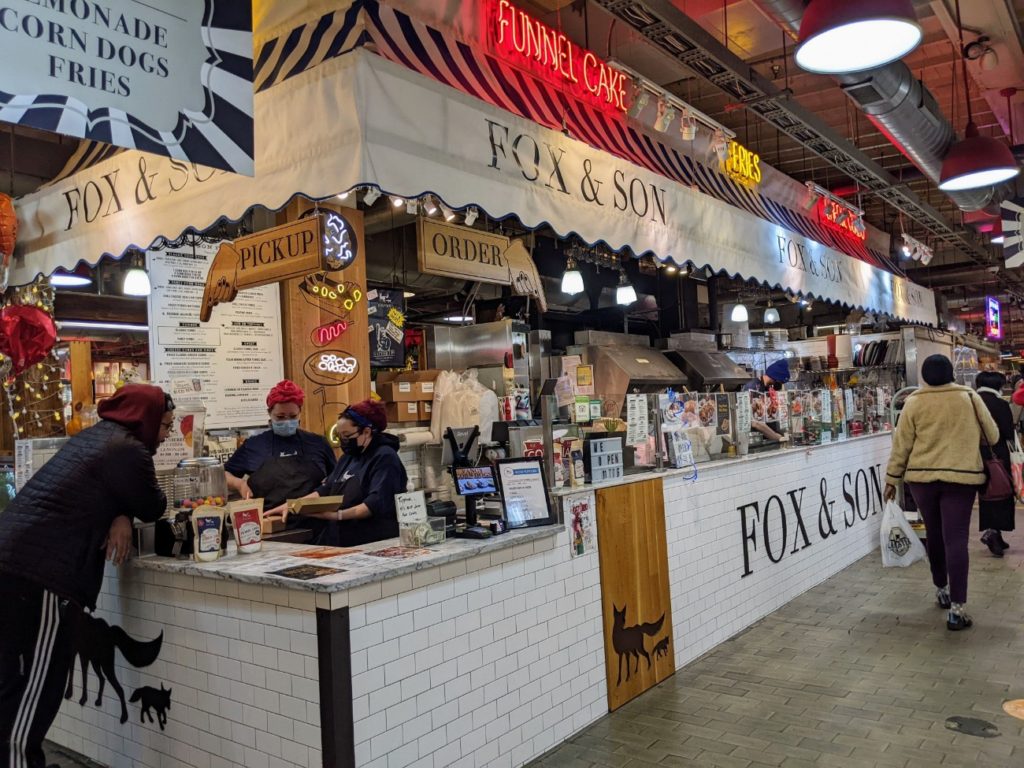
(387, 327)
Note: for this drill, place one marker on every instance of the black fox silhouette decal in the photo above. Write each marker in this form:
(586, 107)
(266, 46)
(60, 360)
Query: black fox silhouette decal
(629, 641)
(661, 647)
(158, 700)
(94, 644)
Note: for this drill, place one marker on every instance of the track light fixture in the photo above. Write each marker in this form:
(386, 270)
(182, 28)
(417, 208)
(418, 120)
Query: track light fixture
(471, 215)
(372, 196)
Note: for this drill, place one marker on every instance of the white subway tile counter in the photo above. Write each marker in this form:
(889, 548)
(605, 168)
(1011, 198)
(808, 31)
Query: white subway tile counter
(476, 653)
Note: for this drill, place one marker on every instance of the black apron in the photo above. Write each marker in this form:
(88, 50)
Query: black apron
(280, 478)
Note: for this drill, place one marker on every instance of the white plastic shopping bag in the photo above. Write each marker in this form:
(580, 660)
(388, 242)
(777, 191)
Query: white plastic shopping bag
(900, 545)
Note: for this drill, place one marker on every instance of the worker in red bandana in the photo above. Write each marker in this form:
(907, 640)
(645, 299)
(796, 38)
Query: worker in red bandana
(284, 462)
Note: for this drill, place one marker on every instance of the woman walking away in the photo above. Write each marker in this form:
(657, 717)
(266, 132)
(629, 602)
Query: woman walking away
(935, 449)
(996, 516)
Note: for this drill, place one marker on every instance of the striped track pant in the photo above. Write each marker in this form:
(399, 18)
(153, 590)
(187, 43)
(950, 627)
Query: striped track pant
(36, 652)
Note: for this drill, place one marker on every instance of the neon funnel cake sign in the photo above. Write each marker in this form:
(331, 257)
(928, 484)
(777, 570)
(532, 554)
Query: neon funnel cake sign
(555, 57)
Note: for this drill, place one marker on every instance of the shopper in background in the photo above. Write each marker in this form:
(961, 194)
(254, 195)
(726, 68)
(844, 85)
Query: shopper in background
(54, 535)
(936, 451)
(996, 516)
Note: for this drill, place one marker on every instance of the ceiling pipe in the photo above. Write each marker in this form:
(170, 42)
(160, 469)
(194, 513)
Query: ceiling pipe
(899, 105)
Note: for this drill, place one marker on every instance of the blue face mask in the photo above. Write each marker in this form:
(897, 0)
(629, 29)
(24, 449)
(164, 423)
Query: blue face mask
(285, 428)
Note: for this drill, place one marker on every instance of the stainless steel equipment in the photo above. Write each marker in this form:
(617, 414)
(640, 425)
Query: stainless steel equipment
(626, 369)
(485, 347)
(708, 370)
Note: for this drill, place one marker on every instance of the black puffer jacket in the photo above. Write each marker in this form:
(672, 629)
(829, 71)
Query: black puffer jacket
(53, 532)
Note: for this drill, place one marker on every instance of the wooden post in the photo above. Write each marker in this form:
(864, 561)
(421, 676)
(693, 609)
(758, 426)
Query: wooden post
(300, 317)
(82, 395)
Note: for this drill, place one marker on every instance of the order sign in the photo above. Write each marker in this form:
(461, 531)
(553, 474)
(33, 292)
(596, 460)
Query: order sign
(173, 78)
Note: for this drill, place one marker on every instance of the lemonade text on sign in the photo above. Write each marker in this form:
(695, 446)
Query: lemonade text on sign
(557, 56)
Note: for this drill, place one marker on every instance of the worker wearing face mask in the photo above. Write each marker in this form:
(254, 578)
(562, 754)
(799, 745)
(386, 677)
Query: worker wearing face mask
(367, 477)
(284, 462)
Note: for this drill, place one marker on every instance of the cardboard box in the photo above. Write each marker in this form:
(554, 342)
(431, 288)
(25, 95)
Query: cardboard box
(426, 409)
(403, 411)
(404, 386)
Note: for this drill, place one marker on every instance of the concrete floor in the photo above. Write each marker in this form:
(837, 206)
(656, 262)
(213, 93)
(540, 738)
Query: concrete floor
(857, 673)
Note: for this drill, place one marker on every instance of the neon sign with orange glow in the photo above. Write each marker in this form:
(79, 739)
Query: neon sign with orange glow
(841, 218)
(556, 57)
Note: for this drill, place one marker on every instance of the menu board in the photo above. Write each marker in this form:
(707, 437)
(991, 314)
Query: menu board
(386, 318)
(744, 412)
(636, 419)
(231, 361)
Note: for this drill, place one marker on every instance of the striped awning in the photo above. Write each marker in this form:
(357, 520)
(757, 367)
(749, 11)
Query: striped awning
(361, 119)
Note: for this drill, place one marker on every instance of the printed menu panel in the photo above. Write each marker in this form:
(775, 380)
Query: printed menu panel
(231, 361)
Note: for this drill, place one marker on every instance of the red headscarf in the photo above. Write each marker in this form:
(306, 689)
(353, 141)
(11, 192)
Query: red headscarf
(368, 413)
(285, 392)
(140, 408)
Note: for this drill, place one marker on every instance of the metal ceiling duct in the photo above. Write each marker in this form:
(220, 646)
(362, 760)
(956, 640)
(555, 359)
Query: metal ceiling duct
(898, 104)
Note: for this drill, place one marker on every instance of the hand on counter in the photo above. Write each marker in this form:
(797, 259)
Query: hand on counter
(280, 512)
(119, 540)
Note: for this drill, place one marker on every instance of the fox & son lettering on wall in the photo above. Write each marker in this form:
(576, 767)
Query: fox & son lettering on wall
(786, 523)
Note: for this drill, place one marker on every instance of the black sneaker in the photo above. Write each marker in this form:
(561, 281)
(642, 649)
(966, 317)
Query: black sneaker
(942, 598)
(991, 540)
(958, 621)
(1002, 541)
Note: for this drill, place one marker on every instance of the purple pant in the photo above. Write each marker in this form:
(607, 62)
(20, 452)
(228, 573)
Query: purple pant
(946, 509)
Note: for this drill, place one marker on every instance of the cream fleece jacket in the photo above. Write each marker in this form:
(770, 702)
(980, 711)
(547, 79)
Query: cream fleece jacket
(938, 437)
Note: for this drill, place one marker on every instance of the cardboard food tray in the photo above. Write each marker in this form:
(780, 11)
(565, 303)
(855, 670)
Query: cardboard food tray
(319, 504)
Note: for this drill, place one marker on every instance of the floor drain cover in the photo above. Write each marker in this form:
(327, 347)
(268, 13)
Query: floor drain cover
(1014, 708)
(972, 726)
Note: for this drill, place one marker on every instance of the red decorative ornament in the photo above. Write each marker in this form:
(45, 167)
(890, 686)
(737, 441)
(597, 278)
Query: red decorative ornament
(27, 334)
(8, 228)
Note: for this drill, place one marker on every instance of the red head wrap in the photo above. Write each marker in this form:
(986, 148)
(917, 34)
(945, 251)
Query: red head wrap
(140, 408)
(285, 392)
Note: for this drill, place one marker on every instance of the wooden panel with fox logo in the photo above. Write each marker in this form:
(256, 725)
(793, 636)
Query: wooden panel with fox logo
(635, 601)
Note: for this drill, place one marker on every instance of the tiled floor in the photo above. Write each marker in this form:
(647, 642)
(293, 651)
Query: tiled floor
(858, 672)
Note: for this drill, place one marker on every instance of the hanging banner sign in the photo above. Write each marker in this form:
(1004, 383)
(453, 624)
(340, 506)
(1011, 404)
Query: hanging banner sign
(1012, 212)
(270, 256)
(171, 79)
(462, 252)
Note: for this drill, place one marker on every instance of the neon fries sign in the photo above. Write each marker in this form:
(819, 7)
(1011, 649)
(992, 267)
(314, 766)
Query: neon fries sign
(556, 57)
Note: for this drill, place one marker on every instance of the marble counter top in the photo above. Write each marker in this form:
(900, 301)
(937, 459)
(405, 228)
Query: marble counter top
(357, 567)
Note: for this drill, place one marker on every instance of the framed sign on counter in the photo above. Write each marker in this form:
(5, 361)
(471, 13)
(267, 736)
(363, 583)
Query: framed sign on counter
(524, 494)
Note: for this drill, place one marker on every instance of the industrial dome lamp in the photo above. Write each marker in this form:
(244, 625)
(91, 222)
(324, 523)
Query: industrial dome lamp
(839, 36)
(976, 160)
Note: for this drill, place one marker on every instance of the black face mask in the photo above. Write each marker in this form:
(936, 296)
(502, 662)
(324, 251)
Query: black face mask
(351, 446)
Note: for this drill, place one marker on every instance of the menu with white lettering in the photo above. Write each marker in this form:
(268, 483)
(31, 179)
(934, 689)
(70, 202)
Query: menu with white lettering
(234, 359)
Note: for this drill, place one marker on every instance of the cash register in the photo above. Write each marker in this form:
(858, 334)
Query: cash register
(473, 483)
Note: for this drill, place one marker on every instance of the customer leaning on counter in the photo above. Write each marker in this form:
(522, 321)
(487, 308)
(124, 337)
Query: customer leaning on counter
(367, 476)
(76, 510)
(284, 462)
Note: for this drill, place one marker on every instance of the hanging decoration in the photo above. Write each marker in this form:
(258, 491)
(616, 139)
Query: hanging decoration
(31, 372)
(8, 236)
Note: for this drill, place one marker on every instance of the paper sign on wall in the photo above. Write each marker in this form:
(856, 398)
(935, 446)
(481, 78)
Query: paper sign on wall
(585, 380)
(636, 419)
